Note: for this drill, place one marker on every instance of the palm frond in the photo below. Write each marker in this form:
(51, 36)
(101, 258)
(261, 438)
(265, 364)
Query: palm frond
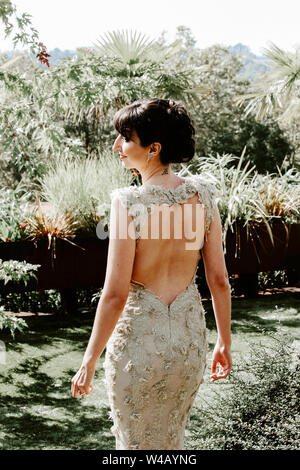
(133, 47)
(278, 88)
(278, 55)
(127, 45)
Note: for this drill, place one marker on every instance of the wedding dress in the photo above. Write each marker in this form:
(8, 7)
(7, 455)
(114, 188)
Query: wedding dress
(156, 356)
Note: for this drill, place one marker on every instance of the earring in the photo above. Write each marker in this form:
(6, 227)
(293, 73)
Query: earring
(150, 156)
(136, 172)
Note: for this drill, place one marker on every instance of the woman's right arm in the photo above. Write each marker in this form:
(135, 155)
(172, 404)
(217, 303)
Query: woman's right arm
(219, 286)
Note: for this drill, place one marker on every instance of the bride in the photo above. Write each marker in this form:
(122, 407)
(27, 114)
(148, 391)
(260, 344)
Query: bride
(150, 316)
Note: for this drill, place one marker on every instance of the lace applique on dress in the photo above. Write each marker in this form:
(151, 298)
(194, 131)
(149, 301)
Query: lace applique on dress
(154, 365)
(140, 199)
(156, 356)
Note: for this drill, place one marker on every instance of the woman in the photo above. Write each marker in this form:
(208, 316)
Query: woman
(150, 316)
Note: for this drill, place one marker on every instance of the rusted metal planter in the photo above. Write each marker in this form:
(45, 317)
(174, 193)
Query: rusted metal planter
(67, 267)
(247, 256)
(259, 253)
(63, 265)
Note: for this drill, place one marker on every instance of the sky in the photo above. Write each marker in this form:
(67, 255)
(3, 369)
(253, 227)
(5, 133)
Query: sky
(68, 24)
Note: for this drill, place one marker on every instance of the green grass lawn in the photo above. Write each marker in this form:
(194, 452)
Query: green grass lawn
(37, 409)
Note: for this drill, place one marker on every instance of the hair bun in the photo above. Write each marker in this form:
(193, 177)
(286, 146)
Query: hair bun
(173, 105)
(175, 108)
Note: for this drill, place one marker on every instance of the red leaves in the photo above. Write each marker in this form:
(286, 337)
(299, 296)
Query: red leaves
(42, 56)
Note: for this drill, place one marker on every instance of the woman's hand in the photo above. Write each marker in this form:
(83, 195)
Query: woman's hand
(81, 382)
(221, 356)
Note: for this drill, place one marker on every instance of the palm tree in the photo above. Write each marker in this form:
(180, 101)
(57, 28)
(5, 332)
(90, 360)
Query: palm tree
(138, 55)
(279, 89)
(134, 48)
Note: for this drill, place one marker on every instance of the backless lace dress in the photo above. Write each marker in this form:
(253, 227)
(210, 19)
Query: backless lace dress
(156, 356)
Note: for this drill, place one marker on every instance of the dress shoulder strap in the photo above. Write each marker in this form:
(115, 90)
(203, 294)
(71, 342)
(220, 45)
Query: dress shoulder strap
(207, 196)
(127, 195)
(132, 199)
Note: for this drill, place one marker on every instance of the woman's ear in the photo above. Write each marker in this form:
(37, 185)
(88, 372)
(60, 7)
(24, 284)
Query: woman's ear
(155, 148)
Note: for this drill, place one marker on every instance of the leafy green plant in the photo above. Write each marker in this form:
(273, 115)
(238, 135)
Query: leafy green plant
(221, 126)
(86, 188)
(271, 279)
(69, 108)
(259, 408)
(26, 33)
(18, 271)
(280, 194)
(278, 88)
(47, 301)
(11, 322)
(14, 204)
(246, 198)
(276, 94)
(236, 198)
(40, 224)
(134, 48)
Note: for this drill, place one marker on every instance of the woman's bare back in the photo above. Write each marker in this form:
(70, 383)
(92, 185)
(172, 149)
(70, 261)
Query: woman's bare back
(167, 252)
(170, 225)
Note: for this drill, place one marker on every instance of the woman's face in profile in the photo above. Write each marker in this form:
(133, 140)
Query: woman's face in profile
(132, 154)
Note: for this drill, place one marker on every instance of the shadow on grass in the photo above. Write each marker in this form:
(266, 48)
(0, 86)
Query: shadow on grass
(44, 331)
(43, 415)
(263, 312)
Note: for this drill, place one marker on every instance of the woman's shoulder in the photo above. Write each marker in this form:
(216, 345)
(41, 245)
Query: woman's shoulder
(207, 193)
(206, 189)
(127, 195)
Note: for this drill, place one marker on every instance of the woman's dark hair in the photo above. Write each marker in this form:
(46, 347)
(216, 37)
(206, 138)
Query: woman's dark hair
(159, 120)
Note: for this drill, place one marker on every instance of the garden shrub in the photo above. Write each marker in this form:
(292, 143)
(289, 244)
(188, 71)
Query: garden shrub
(272, 279)
(11, 322)
(13, 209)
(258, 409)
(17, 271)
(49, 300)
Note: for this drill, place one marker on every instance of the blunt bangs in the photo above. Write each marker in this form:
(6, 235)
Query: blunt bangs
(123, 122)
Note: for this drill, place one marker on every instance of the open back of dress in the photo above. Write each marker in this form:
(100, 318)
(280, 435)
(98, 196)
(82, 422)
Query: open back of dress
(168, 250)
(170, 225)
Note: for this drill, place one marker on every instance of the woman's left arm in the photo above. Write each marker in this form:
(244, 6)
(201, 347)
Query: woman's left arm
(120, 258)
